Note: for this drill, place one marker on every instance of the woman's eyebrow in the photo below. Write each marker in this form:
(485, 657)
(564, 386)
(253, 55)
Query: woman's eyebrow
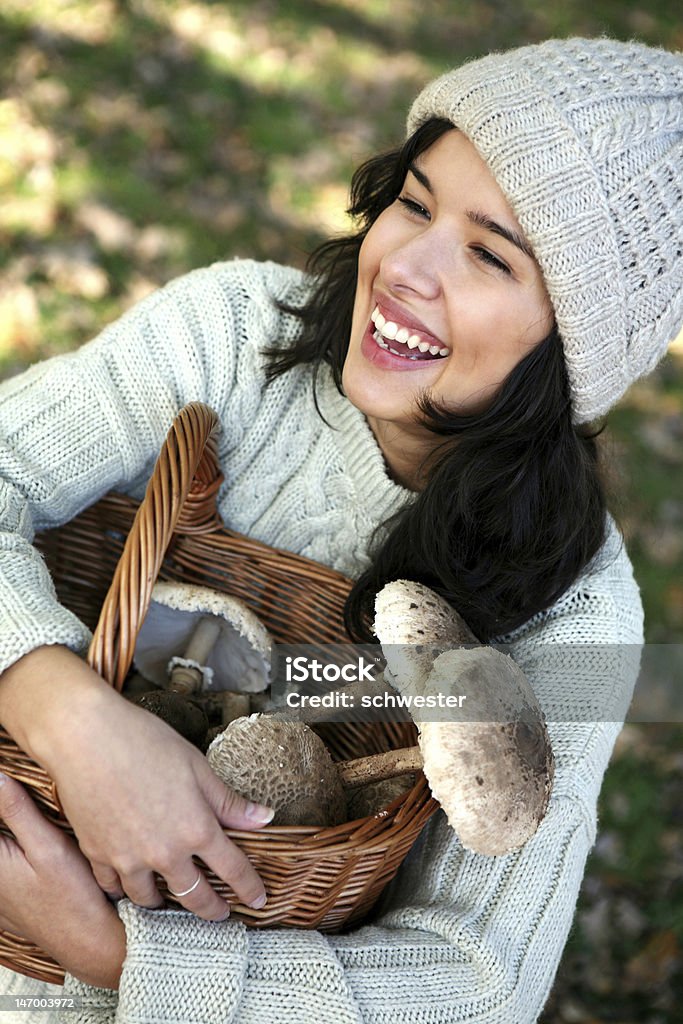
(421, 177)
(482, 220)
(486, 222)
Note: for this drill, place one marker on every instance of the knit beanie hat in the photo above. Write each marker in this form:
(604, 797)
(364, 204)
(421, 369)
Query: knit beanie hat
(585, 139)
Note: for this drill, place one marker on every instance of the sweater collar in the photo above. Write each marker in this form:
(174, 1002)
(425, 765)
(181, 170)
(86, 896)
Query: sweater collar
(378, 493)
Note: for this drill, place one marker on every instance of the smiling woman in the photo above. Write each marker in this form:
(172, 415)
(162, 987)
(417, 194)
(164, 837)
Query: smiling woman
(418, 406)
(441, 264)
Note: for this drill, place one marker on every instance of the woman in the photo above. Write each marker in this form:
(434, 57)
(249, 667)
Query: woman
(518, 266)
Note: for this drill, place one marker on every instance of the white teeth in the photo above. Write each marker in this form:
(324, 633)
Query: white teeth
(389, 329)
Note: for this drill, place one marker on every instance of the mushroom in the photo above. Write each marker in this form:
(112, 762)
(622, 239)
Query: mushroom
(185, 716)
(492, 771)
(374, 797)
(282, 764)
(413, 625)
(196, 640)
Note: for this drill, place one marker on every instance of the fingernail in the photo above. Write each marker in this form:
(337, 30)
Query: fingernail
(260, 902)
(257, 812)
(225, 916)
(3, 779)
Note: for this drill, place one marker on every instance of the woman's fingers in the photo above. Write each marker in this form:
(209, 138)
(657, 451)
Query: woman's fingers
(48, 894)
(141, 888)
(197, 895)
(223, 856)
(108, 879)
(233, 810)
(228, 862)
(29, 826)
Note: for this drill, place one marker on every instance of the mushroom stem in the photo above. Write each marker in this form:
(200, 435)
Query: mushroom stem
(234, 705)
(203, 639)
(186, 678)
(377, 767)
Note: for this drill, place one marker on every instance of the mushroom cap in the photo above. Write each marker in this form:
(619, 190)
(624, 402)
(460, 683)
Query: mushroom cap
(374, 797)
(283, 765)
(492, 773)
(413, 624)
(182, 714)
(240, 658)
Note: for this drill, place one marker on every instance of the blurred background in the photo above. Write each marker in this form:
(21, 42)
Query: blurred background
(142, 138)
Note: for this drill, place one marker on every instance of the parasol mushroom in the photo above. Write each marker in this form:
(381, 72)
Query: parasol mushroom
(196, 640)
(492, 772)
(217, 638)
(283, 764)
(200, 644)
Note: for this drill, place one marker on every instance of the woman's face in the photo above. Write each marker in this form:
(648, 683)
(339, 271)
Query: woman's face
(444, 269)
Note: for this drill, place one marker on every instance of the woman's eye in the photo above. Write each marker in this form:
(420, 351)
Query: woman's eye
(415, 208)
(492, 261)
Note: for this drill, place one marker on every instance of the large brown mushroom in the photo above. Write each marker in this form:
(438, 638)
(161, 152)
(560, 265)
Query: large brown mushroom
(281, 764)
(490, 765)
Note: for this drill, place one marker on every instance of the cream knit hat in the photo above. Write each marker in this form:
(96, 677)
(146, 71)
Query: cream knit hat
(585, 138)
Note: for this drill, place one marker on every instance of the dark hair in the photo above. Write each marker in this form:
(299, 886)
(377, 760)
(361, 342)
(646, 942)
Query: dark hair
(514, 505)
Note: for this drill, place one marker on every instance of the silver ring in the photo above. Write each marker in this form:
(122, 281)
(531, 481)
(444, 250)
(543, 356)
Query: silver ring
(186, 892)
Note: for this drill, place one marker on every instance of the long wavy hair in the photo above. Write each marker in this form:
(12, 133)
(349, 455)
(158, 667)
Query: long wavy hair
(514, 505)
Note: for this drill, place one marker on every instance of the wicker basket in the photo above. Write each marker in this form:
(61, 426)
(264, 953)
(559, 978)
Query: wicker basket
(315, 878)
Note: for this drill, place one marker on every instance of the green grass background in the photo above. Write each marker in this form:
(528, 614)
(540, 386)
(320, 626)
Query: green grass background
(141, 138)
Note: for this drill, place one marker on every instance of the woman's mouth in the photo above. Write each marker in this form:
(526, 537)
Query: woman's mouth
(402, 341)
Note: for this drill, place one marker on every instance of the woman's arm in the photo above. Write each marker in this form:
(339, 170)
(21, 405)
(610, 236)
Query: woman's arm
(71, 429)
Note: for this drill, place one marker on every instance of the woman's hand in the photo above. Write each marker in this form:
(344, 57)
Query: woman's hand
(139, 797)
(49, 896)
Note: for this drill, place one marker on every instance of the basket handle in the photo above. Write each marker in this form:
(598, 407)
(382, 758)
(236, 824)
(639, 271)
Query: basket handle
(180, 497)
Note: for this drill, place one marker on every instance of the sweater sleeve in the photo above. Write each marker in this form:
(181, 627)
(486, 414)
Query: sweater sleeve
(78, 425)
(459, 937)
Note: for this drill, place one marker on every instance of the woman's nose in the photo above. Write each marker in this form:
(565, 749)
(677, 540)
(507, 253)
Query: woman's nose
(417, 266)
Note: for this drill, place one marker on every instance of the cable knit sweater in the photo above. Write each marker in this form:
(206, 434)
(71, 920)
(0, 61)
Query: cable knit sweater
(458, 936)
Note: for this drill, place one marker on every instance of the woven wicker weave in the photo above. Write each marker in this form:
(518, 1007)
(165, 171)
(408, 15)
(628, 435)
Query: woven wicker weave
(315, 878)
